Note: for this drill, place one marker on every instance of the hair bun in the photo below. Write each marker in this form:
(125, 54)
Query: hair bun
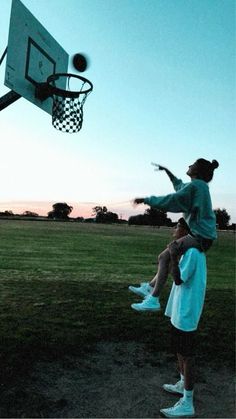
(214, 164)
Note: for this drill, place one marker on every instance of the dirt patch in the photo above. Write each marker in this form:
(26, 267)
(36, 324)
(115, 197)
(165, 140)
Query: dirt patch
(121, 380)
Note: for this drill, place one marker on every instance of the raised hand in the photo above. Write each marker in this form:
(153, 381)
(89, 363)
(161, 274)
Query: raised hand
(158, 166)
(138, 201)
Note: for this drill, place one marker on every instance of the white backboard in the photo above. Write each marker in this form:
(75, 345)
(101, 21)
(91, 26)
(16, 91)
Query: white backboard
(32, 55)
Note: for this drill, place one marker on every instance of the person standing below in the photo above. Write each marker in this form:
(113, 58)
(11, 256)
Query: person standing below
(194, 200)
(184, 308)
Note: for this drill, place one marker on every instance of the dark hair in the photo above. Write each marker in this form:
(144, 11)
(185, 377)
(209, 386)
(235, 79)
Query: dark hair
(206, 169)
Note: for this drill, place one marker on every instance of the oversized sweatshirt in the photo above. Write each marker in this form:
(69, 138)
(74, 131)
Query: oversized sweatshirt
(193, 199)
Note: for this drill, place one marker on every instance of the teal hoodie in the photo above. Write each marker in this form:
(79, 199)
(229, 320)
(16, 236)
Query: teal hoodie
(193, 199)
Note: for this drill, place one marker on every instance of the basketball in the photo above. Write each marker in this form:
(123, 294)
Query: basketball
(80, 62)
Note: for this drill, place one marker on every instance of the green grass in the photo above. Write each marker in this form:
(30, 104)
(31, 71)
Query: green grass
(63, 287)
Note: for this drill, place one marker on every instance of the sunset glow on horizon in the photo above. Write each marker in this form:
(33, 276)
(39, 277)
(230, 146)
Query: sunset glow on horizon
(82, 209)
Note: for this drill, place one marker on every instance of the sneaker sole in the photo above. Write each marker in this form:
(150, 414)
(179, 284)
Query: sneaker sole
(166, 415)
(173, 392)
(145, 309)
(139, 293)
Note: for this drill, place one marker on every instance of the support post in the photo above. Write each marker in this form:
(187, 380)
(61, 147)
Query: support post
(8, 99)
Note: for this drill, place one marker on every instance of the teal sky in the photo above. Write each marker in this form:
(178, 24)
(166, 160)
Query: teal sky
(164, 91)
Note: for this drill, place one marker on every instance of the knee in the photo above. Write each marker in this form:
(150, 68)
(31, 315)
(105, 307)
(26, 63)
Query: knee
(174, 249)
(164, 257)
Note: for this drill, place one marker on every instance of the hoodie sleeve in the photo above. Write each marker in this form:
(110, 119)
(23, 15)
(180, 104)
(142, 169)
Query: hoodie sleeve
(180, 201)
(177, 183)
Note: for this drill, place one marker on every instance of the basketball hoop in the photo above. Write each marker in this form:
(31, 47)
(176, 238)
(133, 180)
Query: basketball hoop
(67, 108)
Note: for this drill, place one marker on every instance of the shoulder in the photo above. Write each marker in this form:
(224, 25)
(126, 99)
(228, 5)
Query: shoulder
(193, 262)
(194, 254)
(193, 251)
(188, 185)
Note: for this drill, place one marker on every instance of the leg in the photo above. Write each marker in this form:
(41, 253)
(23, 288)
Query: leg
(177, 388)
(180, 364)
(186, 368)
(153, 281)
(184, 407)
(183, 345)
(151, 301)
(188, 360)
(189, 376)
(160, 278)
(155, 286)
(177, 248)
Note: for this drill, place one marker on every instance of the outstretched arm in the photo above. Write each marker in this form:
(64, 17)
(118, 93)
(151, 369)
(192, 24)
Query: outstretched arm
(138, 201)
(179, 201)
(168, 172)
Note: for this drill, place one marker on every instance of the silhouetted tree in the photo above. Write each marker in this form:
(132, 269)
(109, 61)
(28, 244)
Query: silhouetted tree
(110, 217)
(104, 216)
(30, 214)
(60, 211)
(99, 210)
(153, 217)
(222, 218)
(140, 219)
(6, 213)
(157, 217)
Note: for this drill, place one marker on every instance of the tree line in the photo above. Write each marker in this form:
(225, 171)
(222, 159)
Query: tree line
(100, 214)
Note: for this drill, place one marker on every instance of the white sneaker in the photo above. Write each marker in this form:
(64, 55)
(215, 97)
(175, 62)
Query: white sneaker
(150, 303)
(143, 290)
(177, 388)
(180, 410)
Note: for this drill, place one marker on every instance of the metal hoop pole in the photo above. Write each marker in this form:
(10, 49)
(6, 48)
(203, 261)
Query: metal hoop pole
(3, 55)
(8, 99)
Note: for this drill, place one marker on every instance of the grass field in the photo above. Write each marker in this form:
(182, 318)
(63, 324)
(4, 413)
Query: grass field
(64, 288)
